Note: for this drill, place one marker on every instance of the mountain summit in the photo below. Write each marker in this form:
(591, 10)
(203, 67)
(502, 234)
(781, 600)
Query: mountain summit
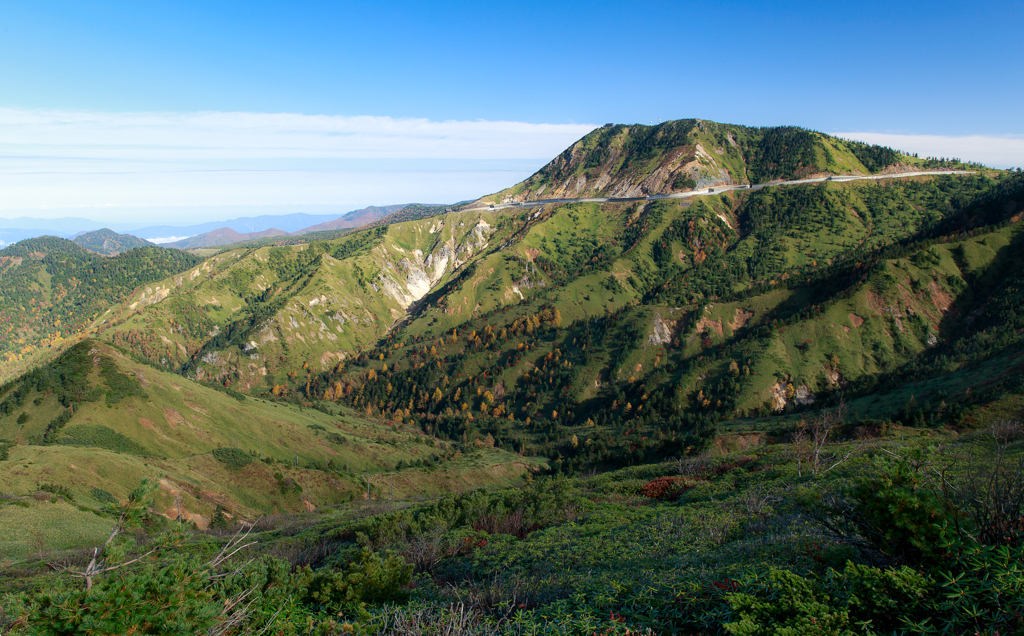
(687, 154)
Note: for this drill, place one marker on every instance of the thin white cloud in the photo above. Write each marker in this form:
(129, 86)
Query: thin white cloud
(167, 239)
(77, 159)
(1002, 151)
(216, 135)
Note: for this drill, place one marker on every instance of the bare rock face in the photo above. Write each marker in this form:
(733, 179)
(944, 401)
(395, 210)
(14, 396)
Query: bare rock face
(412, 277)
(803, 395)
(778, 396)
(664, 331)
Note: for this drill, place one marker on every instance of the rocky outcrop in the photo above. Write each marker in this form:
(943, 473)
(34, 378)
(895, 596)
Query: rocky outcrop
(415, 274)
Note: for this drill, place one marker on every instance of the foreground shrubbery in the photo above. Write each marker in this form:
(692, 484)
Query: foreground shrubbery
(912, 540)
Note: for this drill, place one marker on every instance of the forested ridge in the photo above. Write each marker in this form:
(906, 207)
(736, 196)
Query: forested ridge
(109, 243)
(51, 287)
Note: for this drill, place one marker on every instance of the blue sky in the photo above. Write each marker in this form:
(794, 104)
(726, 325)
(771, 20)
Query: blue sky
(122, 99)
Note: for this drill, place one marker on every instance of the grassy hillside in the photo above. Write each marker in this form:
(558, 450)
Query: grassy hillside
(686, 154)
(94, 422)
(605, 333)
(253, 318)
(752, 541)
(569, 322)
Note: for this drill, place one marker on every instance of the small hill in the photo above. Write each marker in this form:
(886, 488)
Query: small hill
(52, 289)
(355, 218)
(412, 212)
(224, 236)
(107, 242)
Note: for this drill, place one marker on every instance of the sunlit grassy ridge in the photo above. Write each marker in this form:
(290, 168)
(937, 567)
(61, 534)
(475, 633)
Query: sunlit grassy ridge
(125, 421)
(686, 154)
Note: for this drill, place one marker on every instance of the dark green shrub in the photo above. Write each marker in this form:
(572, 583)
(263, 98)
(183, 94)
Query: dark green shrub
(899, 515)
(57, 489)
(233, 458)
(101, 437)
(840, 602)
(683, 182)
(120, 385)
(219, 519)
(334, 438)
(103, 496)
(371, 579)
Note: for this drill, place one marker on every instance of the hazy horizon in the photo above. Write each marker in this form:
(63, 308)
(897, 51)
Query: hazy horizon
(173, 113)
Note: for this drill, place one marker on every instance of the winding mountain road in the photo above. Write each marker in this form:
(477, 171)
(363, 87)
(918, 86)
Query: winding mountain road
(716, 190)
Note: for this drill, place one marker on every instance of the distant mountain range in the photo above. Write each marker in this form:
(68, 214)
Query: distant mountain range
(24, 227)
(229, 236)
(223, 236)
(355, 218)
(241, 225)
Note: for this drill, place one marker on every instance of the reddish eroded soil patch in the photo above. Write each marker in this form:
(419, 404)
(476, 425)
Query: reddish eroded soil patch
(173, 417)
(532, 253)
(712, 325)
(150, 426)
(171, 512)
(195, 408)
(856, 320)
(942, 300)
(479, 279)
(741, 319)
(877, 303)
(733, 442)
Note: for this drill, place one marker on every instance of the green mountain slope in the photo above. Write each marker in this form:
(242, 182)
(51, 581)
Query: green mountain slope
(251, 316)
(96, 419)
(682, 155)
(109, 243)
(52, 288)
(606, 333)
